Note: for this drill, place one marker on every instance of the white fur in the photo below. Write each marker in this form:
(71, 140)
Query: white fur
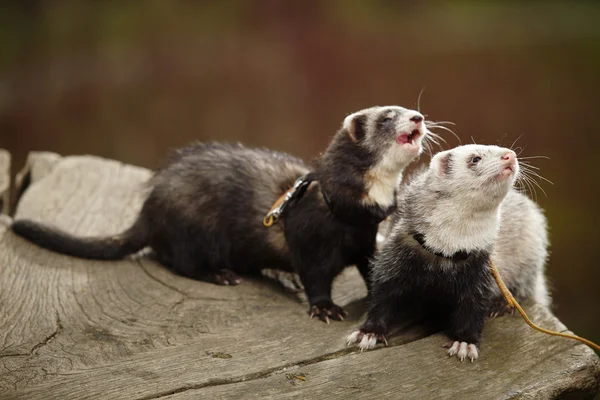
(385, 175)
(458, 228)
(464, 350)
(520, 251)
(469, 219)
(541, 294)
(367, 342)
(382, 191)
(352, 338)
(463, 210)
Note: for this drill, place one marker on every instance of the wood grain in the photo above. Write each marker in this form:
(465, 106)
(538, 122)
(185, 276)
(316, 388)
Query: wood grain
(4, 181)
(78, 329)
(515, 363)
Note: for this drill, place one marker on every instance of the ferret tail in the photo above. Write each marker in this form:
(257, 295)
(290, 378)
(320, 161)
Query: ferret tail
(98, 248)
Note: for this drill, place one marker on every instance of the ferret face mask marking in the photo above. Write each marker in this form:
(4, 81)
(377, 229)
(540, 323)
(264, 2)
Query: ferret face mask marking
(393, 135)
(388, 128)
(468, 170)
(464, 203)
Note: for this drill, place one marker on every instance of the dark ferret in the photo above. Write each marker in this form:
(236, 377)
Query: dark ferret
(450, 221)
(203, 215)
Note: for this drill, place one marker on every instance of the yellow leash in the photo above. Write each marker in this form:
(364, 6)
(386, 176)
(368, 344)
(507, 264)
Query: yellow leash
(513, 303)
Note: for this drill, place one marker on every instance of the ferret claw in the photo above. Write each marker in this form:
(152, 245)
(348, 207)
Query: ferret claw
(499, 308)
(462, 350)
(365, 341)
(326, 312)
(226, 277)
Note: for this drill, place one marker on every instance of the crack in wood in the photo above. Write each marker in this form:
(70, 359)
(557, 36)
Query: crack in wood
(253, 376)
(270, 371)
(48, 339)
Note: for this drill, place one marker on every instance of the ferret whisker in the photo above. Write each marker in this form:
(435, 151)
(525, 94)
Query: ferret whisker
(473, 140)
(433, 134)
(527, 163)
(532, 189)
(530, 179)
(535, 174)
(517, 150)
(521, 187)
(515, 142)
(530, 170)
(419, 99)
(524, 165)
(522, 150)
(434, 125)
(434, 137)
(539, 186)
(522, 177)
(431, 139)
(427, 148)
(530, 157)
(443, 123)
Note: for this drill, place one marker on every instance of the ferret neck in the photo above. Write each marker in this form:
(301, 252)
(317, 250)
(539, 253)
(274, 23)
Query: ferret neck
(460, 255)
(450, 228)
(341, 173)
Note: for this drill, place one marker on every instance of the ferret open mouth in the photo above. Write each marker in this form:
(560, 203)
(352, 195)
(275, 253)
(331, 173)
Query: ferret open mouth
(409, 138)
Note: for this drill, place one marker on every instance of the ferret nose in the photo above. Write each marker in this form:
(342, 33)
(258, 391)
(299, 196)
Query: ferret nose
(510, 156)
(417, 118)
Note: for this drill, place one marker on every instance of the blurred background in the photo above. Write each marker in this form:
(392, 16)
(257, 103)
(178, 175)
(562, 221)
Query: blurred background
(131, 80)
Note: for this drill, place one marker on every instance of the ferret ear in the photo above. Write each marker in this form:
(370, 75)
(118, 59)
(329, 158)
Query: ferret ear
(441, 163)
(355, 126)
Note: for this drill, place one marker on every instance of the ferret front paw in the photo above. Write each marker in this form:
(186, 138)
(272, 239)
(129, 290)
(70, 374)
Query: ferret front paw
(364, 340)
(325, 310)
(462, 350)
(226, 277)
(499, 308)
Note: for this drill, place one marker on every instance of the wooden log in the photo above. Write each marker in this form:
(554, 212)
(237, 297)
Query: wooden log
(514, 364)
(4, 181)
(131, 329)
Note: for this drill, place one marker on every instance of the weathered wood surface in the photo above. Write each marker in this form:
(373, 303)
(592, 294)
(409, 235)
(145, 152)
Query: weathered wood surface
(37, 166)
(4, 181)
(77, 329)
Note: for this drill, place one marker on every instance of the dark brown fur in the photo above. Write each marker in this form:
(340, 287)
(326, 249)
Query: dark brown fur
(203, 216)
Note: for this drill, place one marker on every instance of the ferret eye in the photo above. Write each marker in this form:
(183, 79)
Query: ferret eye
(386, 120)
(475, 160)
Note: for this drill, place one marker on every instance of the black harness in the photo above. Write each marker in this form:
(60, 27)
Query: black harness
(291, 196)
(295, 194)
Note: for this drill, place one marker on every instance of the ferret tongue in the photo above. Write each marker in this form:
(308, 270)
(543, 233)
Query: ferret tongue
(402, 139)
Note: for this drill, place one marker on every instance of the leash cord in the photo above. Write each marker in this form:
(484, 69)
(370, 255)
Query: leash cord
(513, 303)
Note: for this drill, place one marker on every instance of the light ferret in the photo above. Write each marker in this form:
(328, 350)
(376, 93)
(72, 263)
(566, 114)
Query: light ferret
(451, 219)
(204, 214)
